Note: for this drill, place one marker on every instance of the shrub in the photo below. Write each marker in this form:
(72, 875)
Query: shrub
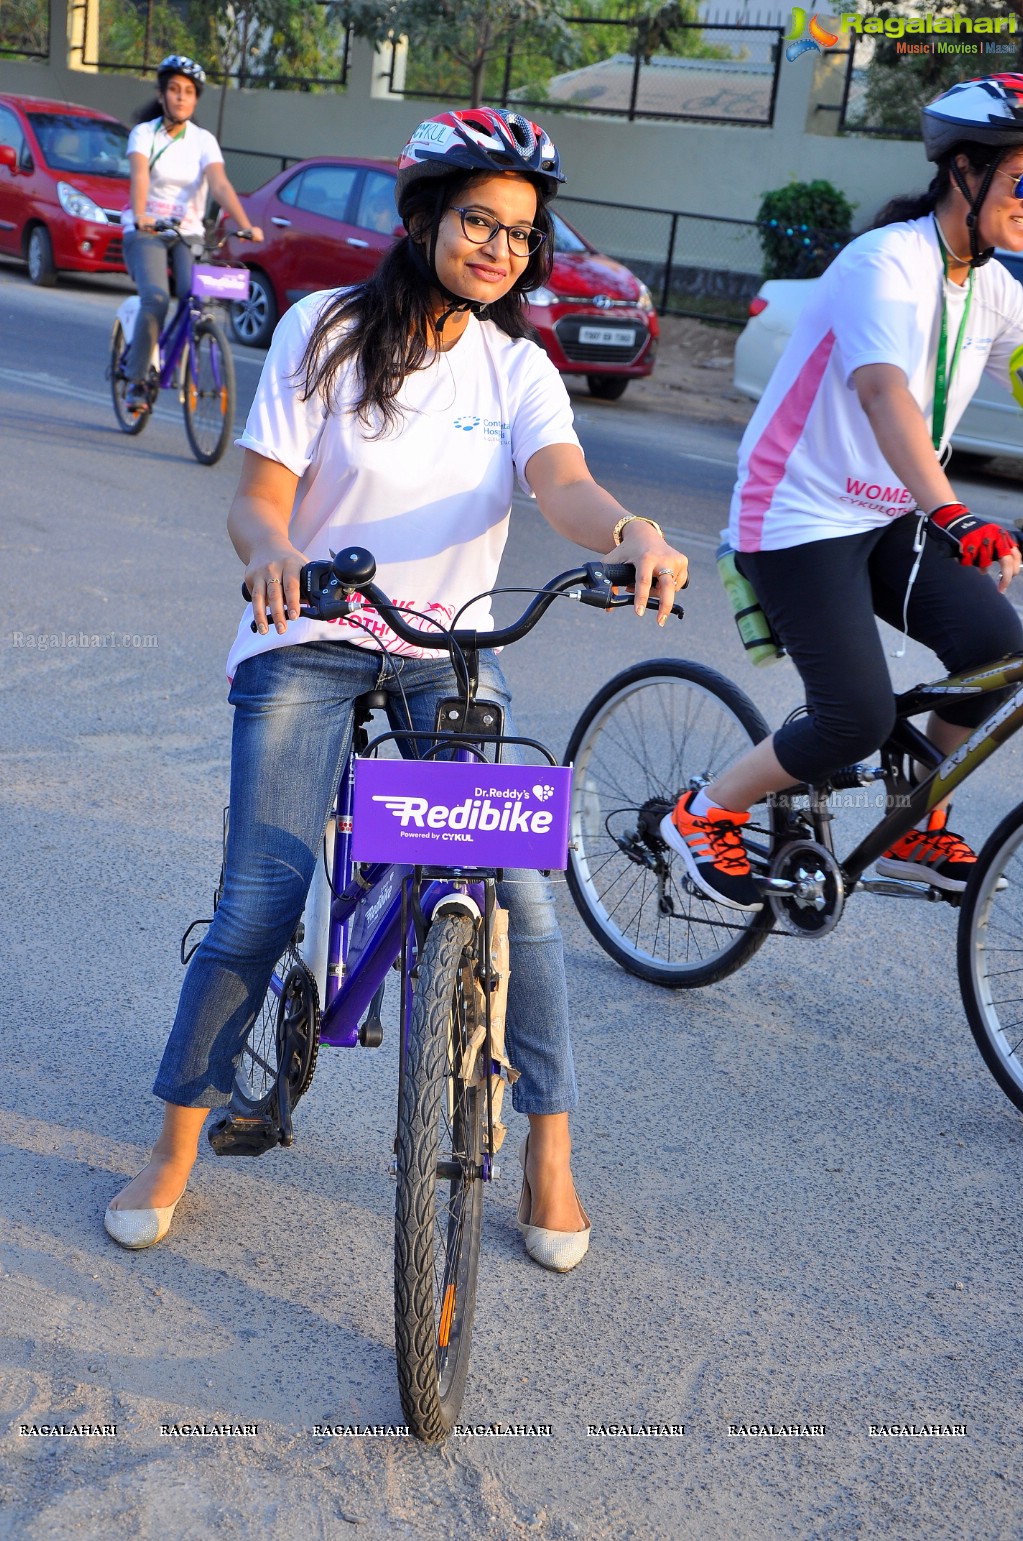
(802, 226)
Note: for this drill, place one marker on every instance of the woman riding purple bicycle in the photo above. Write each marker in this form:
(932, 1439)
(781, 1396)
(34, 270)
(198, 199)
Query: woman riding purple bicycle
(396, 416)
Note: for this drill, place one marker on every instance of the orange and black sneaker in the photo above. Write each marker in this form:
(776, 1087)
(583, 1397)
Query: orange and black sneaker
(712, 849)
(933, 855)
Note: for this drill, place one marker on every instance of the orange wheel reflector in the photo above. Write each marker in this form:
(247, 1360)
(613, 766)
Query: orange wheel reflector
(446, 1316)
(223, 400)
(193, 396)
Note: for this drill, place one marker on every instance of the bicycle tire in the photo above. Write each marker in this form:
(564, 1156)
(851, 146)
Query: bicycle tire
(128, 422)
(293, 1007)
(635, 748)
(209, 392)
(988, 948)
(436, 1233)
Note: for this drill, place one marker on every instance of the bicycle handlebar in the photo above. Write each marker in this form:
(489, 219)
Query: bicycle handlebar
(172, 227)
(327, 592)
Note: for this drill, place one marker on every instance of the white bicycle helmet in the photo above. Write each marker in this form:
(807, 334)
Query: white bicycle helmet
(986, 111)
(180, 64)
(479, 139)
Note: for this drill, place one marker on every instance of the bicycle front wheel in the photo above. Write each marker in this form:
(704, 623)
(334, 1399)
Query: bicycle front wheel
(635, 749)
(990, 954)
(128, 422)
(439, 1204)
(209, 392)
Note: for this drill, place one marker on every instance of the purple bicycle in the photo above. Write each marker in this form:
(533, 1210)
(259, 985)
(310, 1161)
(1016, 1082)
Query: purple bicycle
(412, 856)
(192, 355)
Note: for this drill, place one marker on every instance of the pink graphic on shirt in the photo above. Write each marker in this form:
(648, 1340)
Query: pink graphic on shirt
(371, 630)
(771, 452)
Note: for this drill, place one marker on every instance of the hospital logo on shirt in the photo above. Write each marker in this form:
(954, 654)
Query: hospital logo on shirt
(493, 427)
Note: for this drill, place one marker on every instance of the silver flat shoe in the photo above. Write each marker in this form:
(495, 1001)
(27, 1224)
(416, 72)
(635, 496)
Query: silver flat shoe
(138, 1228)
(559, 1251)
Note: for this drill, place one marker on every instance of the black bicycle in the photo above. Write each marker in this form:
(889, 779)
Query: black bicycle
(666, 725)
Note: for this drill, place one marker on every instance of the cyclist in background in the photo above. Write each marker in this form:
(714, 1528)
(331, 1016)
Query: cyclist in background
(172, 163)
(840, 475)
(396, 415)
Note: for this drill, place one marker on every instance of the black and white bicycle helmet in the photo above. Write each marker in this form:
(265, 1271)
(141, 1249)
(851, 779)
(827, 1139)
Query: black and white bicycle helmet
(180, 64)
(985, 111)
(479, 139)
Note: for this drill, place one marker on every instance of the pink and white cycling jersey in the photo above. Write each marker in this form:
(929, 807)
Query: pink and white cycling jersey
(809, 465)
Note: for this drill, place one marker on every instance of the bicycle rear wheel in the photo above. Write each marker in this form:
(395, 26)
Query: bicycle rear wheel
(635, 749)
(209, 392)
(990, 954)
(439, 1204)
(129, 422)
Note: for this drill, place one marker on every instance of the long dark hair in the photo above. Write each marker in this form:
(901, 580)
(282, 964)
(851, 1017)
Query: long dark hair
(383, 327)
(916, 205)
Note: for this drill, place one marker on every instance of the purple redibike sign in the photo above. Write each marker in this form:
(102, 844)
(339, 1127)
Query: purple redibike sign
(213, 283)
(454, 813)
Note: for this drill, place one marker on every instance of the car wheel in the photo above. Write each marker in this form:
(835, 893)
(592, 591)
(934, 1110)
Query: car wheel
(607, 387)
(40, 257)
(253, 320)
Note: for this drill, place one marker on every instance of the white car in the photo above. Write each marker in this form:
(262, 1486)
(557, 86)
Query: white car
(991, 425)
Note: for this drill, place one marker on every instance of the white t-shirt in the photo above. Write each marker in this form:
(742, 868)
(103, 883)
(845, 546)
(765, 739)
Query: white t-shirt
(809, 464)
(431, 497)
(177, 173)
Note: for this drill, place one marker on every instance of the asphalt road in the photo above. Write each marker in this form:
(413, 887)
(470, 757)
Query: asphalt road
(804, 1185)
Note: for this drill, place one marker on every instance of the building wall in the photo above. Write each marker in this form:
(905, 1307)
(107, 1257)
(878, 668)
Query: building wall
(699, 168)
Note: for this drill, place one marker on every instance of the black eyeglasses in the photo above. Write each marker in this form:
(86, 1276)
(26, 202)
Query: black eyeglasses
(1017, 191)
(479, 228)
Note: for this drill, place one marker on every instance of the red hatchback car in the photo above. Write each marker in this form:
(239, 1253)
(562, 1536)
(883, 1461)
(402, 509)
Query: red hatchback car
(329, 221)
(63, 186)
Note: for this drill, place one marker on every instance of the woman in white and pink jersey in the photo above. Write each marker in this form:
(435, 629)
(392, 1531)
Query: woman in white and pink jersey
(841, 474)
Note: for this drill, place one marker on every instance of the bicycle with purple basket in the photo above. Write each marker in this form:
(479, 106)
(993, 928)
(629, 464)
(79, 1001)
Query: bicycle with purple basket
(418, 845)
(192, 356)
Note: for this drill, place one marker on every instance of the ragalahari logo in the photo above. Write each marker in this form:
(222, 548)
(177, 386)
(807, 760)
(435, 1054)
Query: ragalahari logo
(819, 37)
(939, 33)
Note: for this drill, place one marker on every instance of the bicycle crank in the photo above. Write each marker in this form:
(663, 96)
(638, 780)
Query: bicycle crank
(805, 889)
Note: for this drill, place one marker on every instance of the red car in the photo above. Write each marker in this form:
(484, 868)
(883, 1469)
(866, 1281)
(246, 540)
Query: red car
(63, 186)
(329, 221)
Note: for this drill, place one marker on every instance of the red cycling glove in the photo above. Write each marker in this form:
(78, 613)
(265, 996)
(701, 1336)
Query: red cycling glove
(977, 543)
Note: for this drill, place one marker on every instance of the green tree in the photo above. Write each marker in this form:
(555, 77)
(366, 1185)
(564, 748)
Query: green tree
(24, 26)
(898, 84)
(471, 36)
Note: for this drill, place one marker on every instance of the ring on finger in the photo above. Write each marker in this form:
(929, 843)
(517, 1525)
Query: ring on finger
(665, 572)
(270, 581)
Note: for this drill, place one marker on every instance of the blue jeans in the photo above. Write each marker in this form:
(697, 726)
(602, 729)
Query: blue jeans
(145, 257)
(292, 734)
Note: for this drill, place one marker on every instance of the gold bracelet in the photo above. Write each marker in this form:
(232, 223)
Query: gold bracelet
(620, 526)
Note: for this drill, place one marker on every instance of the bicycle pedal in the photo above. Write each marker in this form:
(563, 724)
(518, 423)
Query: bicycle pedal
(230, 1134)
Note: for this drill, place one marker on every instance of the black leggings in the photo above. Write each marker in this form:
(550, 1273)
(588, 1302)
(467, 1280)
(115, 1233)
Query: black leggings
(822, 597)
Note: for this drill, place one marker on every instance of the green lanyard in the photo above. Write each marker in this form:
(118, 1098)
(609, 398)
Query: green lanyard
(171, 139)
(943, 376)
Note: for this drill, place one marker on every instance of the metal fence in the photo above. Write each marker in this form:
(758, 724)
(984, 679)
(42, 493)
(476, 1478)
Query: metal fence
(695, 264)
(25, 29)
(888, 103)
(132, 36)
(719, 74)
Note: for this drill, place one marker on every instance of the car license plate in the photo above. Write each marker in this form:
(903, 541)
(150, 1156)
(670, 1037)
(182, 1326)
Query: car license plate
(607, 336)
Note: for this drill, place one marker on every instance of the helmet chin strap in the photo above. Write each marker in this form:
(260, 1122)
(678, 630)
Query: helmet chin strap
(457, 302)
(978, 254)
